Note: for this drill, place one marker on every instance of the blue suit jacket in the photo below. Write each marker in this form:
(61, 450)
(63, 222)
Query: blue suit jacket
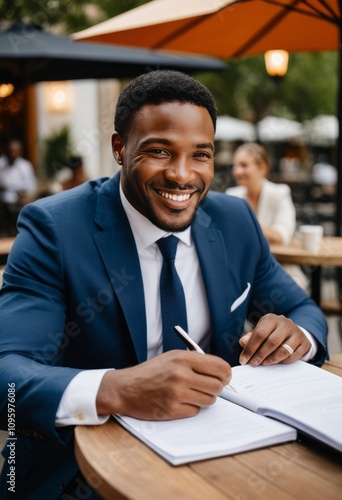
(73, 299)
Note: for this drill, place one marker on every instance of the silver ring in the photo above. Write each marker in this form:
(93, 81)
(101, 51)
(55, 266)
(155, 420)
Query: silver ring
(288, 348)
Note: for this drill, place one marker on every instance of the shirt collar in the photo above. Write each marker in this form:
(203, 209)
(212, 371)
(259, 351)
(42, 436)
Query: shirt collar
(145, 233)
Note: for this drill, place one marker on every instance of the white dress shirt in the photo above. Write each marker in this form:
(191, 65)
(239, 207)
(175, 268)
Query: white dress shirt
(78, 403)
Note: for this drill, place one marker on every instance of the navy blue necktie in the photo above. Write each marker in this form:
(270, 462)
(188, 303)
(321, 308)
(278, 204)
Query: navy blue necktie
(172, 297)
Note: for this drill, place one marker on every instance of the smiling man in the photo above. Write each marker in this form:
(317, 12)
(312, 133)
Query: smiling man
(168, 162)
(83, 306)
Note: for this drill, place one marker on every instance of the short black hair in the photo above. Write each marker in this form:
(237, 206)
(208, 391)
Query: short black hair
(158, 87)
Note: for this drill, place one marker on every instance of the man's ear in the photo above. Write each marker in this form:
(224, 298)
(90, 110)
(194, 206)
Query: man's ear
(118, 148)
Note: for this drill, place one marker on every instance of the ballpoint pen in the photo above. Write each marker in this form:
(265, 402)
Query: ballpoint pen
(192, 346)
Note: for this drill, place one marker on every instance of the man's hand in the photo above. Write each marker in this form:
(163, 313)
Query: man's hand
(175, 384)
(264, 345)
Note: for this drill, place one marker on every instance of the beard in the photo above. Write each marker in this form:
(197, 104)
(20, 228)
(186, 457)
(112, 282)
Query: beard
(171, 225)
(173, 221)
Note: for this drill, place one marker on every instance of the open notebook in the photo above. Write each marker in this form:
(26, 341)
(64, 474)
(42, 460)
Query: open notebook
(270, 405)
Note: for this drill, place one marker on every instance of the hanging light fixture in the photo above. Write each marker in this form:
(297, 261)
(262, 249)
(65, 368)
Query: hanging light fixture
(276, 62)
(6, 89)
(58, 97)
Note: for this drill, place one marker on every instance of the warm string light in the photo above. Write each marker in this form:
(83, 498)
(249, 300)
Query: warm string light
(6, 89)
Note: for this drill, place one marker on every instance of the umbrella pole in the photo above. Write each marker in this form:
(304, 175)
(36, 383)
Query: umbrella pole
(339, 138)
(339, 150)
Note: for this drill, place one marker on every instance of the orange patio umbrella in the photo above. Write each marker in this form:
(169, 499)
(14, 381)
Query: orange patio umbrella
(232, 29)
(224, 28)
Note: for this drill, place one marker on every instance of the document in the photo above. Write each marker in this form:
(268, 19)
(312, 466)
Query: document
(270, 405)
(299, 394)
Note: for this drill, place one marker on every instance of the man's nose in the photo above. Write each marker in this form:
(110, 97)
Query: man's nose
(181, 171)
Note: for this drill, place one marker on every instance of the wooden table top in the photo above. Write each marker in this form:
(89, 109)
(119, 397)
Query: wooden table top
(119, 466)
(6, 245)
(329, 254)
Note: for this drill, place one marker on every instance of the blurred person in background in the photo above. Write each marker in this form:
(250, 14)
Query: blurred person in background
(323, 172)
(76, 173)
(18, 185)
(289, 164)
(272, 203)
(70, 175)
(324, 177)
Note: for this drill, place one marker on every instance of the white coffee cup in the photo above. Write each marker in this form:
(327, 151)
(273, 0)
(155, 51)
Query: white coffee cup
(310, 237)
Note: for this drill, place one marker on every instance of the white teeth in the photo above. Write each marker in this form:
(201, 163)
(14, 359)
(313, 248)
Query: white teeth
(175, 197)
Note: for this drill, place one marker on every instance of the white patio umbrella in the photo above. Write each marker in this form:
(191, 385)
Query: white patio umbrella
(234, 129)
(322, 130)
(275, 129)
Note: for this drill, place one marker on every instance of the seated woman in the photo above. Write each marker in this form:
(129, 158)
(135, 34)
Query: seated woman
(272, 203)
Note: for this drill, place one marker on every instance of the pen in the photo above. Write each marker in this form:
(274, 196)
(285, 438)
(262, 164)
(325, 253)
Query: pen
(192, 346)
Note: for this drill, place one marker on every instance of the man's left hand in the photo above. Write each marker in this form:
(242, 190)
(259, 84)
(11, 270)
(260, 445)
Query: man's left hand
(265, 344)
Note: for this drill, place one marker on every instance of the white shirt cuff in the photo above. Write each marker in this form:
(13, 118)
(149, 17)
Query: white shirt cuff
(78, 403)
(313, 349)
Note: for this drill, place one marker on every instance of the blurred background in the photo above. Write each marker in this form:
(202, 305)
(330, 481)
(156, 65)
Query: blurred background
(56, 120)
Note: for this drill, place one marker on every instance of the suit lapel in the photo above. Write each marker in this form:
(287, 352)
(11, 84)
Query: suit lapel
(117, 248)
(213, 259)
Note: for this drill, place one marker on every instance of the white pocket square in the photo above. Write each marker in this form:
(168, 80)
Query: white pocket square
(240, 299)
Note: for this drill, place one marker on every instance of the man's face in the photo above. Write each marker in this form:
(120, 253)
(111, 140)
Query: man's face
(168, 162)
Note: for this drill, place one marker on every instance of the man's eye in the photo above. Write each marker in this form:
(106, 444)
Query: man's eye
(202, 154)
(158, 151)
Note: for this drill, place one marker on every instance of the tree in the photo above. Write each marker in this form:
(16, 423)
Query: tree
(245, 90)
(57, 150)
(70, 15)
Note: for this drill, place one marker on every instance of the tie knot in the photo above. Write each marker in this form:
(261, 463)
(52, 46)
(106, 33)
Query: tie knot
(168, 247)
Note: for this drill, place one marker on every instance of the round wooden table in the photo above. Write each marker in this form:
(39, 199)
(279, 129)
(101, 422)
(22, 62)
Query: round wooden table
(119, 466)
(329, 254)
(5, 247)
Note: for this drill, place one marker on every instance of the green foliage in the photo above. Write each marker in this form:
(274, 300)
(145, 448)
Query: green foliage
(111, 8)
(246, 91)
(57, 149)
(71, 15)
(46, 12)
(310, 87)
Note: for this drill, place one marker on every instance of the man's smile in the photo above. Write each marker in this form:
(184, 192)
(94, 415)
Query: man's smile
(175, 199)
(173, 196)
